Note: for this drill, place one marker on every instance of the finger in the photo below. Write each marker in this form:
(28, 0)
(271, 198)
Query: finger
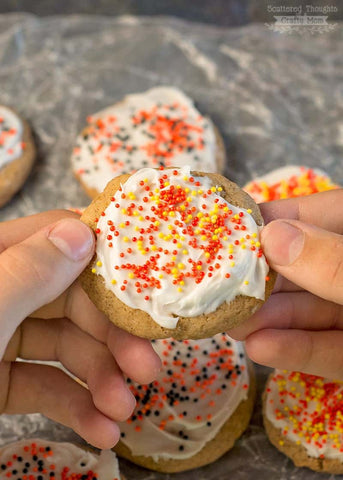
(300, 310)
(28, 388)
(39, 269)
(135, 356)
(306, 255)
(282, 284)
(15, 231)
(86, 358)
(325, 210)
(316, 353)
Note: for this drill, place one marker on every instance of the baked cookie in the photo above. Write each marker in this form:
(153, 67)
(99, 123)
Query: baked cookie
(194, 412)
(178, 254)
(36, 459)
(304, 420)
(17, 153)
(158, 127)
(287, 182)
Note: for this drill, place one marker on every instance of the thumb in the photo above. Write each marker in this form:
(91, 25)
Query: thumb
(37, 270)
(307, 255)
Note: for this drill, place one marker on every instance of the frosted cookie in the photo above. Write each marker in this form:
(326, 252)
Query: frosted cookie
(158, 127)
(192, 414)
(287, 182)
(17, 153)
(178, 254)
(36, 459)
(303, 417)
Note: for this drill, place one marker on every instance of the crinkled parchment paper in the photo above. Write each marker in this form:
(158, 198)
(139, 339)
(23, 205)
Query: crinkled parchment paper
(276, 99)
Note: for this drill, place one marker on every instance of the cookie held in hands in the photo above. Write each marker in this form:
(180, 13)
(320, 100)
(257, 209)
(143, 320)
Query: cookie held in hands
(178, 254)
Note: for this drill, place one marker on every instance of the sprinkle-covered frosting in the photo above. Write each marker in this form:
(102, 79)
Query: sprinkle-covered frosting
(308, 410)
(35, 459)
(169, 244)
(288, 182)
(153, 128)
(11, 132)
(201, 384)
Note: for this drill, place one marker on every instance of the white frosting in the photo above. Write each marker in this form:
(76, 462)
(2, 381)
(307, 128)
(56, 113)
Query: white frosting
(280, 178)
(11, 133)
(200, 386)
(122, 144)
(60, 456)
(236, 268)
(308, 410)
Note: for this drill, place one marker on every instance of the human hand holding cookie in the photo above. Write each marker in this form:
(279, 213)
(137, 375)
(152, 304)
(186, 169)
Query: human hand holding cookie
(40, 257)
(300, 327)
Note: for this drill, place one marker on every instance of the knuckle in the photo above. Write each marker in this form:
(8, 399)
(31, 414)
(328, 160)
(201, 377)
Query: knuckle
(5, 381)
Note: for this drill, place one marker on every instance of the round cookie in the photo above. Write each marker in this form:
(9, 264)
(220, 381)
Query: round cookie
(177, 254)
(35, 459)
(158, 127)
(287, 182)
(17, 153)
(197, 408)
(303, 419)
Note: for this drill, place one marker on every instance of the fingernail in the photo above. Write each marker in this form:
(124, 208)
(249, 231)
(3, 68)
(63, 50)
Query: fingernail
(73, 238)
(282, 242)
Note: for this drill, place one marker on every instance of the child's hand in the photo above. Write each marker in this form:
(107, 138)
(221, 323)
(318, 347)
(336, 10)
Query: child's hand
(301, 325)
(40, 257)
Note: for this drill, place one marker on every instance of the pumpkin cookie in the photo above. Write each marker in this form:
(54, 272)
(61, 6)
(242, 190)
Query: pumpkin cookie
(303, 419)
(158, 127)
(178, 254)
(194, 412)
(17, 153)
(35, 459)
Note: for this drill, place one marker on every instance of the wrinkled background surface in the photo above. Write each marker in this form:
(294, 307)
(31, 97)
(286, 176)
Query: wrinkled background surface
(276, 99)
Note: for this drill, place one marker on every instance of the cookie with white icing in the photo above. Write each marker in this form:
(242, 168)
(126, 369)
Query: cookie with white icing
(303, 419)
(17, 153)
(288, 182)
(178, 254)
(158, 127)
(196, 409)
(37, 459)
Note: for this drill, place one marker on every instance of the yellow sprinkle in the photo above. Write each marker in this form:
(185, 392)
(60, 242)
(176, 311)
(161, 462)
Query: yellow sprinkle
(123, 210)
(213, 189)
(254, 235)
(207, 255)
(194, 193)
(166, 184)
(226, 209)
(98, 263)
(185, 252)
(164, 214)
(232, 264)
(156, 190)
(257, 244)
(179, 289)
(203, 237)
(146, 180)
(214, 237)
(135, 213)
(173, 258)
(243, 247)
(161, 275)
(200, 214)
(281, 442)
(249, 210)
(174, 270)
(161, 235)
(131, 275)
(126, 239)
(180, 266)
(242, 240)
(141, 218)
(136, 228)
(219, 189)
(246, 282)
(199, 267)
(236, 216)
(113, 281)
(157, 223)
(153, 248)
(185, 178)
(179, 245)
(200, 192)
(172, 214)
(122, 225)
(170, 227)
(182, 282)
(93, 270)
